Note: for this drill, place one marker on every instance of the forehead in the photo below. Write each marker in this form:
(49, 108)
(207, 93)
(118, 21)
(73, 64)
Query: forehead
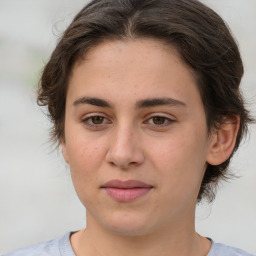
(145, 52)
(140, 67)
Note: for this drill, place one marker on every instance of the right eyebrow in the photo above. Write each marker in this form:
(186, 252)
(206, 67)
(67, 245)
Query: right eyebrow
(92, 101)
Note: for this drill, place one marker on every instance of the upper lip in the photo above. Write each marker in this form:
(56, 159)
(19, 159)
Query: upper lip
(126, 184)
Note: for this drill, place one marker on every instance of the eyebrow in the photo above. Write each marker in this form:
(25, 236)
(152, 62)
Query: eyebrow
(92, 101)
(159, 102)
(146, 103)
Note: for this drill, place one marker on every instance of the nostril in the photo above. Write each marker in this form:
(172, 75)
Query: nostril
(112, 163)
(124, 155)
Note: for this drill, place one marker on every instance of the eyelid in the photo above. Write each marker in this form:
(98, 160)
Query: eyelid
(91, 114)
(160, 114)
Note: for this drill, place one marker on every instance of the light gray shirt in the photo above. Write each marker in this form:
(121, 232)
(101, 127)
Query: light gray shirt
(62, 247)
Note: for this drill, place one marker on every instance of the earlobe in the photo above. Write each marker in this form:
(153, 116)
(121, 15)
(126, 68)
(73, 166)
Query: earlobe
(223, 141)
(64, 151)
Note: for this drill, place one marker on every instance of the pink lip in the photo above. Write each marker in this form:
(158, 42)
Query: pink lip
(126, 191)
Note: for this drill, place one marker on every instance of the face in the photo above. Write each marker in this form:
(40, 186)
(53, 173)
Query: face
(135, 136)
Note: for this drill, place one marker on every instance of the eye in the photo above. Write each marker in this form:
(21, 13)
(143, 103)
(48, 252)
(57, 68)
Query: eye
(95, 121)
(159, 121)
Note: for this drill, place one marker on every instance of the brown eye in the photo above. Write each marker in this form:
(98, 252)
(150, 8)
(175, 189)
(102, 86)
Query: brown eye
(97, 119)
(159, 120)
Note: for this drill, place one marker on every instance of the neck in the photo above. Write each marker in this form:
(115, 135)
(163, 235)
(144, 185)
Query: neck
(176, 239)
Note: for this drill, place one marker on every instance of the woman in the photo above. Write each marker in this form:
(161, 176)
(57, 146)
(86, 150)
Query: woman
(144, 97)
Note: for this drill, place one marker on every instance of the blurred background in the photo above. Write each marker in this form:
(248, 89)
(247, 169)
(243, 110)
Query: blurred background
(37, 199)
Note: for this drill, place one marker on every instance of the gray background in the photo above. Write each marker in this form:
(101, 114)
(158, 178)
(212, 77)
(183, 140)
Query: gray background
(37, 199)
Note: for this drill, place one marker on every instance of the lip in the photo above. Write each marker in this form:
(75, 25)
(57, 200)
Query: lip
(126, 191)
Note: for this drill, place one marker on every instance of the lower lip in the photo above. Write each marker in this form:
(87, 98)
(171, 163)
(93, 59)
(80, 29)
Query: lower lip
(127, 195)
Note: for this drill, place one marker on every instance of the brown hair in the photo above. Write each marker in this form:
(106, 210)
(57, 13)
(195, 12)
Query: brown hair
(201, 37)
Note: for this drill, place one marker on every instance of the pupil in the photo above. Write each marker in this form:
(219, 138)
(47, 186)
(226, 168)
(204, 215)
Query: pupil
(97, 119)
(158, 120)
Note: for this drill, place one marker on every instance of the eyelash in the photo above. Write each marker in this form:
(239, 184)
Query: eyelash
(88, 121)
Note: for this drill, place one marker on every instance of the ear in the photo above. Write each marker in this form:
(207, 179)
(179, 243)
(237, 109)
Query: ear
(64, 151)
(223, 141)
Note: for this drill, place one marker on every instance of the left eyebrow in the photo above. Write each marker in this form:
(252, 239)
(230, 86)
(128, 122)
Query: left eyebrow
(159, 102)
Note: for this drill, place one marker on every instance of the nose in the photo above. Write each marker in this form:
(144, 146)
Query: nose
(124, 150)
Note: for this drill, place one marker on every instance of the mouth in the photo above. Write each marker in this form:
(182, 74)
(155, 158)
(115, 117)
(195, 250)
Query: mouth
(126, 191)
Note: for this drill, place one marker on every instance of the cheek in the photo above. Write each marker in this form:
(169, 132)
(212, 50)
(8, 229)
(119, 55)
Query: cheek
(84, 161)
(181, 160)
(83, 149)
(85, 158)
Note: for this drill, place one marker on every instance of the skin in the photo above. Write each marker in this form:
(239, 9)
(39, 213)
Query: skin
(164, 145)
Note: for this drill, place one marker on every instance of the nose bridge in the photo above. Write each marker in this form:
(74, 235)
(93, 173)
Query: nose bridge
(124, 136)
(124, 148)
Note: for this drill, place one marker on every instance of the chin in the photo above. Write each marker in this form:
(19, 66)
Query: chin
(128, 225)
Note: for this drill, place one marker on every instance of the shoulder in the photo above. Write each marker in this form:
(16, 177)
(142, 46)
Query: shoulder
(41, 249)
(56, 247)
(219, 249)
